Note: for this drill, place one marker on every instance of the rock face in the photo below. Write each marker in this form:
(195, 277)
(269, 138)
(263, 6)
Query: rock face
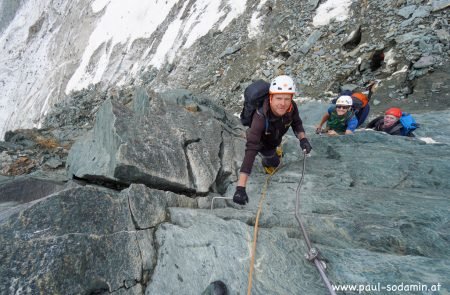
(82, 240)
(375, 217)
(158, 143)
(78, 233)
(375, 205)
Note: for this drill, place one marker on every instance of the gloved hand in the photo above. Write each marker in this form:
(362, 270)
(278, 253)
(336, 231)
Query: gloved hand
(305, 145)
(240, 196)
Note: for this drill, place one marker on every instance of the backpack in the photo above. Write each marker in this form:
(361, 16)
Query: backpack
(254, 96)
(408, 123)
(360, 99)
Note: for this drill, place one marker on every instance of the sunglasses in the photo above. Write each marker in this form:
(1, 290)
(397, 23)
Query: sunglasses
(342, 107)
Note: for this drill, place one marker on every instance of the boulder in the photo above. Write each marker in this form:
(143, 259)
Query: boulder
(157, 143)
(82, 240)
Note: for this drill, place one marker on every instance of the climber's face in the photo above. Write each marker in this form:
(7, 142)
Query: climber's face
(389, 120)
(280, 103)
(342, 109)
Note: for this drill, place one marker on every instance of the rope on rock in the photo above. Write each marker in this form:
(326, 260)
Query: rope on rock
(255, 232)
(313, 253)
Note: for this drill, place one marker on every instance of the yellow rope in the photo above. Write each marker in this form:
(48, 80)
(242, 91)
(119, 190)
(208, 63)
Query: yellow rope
(255, 233)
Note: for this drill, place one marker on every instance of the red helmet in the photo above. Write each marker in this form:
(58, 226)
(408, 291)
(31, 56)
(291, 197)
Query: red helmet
(396, 112)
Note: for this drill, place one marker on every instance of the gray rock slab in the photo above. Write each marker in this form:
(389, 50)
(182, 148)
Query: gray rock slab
(309, 43)
(148, 206)
(431, 91)
(25, 189)
(439, 4)
(424, 62)
(162, 145)
(19, 190)
(198, 248)
(313, 4)
(408, 37)
(422, 11)
(443, 36)
(404, 271)
(81, 239)
(406, 11)
(230, 50)
(387, 91)
(372, 203)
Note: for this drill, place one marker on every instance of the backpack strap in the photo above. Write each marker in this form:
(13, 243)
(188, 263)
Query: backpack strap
(266, 119)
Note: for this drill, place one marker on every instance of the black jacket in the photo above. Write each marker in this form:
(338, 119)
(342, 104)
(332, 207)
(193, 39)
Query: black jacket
(267, 130)
(378, 125)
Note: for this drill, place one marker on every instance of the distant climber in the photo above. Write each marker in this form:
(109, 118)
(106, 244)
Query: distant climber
(360, 106)
(269, 123)
(394, 122)
(340, 118)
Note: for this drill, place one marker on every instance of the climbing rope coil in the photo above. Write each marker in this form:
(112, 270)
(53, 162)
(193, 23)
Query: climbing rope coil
(313, 254)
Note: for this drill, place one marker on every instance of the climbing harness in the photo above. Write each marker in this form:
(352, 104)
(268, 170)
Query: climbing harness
(313, 253)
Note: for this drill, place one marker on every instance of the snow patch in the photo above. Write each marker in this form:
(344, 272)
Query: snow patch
(332, 9)
(428, 140)
(168, 42)
(254, 27)
(402, 70)
(122, 22)
(98, 5)
(205, 14)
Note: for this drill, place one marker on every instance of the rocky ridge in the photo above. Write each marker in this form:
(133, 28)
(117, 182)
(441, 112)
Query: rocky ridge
(134, 239)
(411, 35)
(403, 44)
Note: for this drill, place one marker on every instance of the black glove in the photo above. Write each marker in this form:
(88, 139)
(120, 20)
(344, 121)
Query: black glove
(305, 145)
(240, 196)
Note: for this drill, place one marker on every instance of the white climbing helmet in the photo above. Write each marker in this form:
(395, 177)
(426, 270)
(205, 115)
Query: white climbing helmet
(344, 100)
(282, 84)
